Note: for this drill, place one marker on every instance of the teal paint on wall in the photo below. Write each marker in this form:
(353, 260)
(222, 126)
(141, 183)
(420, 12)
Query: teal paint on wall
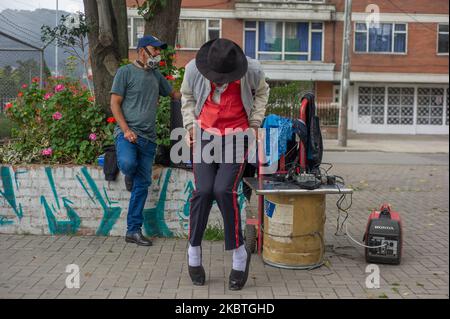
(184, 213)
(59, 227)
(48, 172)
(62, 227)
(154, 221)
(8, 191)
(5, 221)
(110, 214)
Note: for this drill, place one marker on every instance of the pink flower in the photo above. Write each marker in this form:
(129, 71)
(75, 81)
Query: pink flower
(57, 116)
(48, 96)
(93, 136)
(24, 86)
(59, 88)
(47, 151)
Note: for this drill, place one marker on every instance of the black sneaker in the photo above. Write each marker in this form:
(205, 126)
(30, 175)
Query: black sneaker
(129, 183)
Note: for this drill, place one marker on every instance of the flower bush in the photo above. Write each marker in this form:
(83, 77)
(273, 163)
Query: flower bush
(175, 76)
(59, 124)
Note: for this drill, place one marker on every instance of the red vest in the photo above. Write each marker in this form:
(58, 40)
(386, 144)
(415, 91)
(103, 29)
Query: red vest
(230, 113)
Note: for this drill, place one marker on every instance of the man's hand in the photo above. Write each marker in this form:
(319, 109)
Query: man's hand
(175, 95)
(255, 133)
(130, 136)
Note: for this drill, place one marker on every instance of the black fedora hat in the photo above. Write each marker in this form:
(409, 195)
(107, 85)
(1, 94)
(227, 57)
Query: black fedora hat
(221, 61)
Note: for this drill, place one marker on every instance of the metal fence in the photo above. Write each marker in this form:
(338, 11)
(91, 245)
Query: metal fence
(327, 110)
(20, 62)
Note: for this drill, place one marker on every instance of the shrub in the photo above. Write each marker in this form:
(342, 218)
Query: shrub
(60, 124)
(284, 99)
(5, 126)
(175, 76)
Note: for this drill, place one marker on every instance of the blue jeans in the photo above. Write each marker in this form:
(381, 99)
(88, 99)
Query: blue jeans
(135, 161)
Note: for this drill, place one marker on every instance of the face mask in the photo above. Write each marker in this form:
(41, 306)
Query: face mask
(153, 61)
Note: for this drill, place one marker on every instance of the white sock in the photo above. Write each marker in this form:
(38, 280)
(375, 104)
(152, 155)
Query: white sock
(239, 258)
(195, 256)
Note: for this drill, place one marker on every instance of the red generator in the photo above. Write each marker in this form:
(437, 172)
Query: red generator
(384, 234)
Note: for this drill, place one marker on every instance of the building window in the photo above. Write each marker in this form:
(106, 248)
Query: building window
(430, 106)
(371, 105)
(443, 38)
(400, 106)
(284, 41)
(193, 33)
(136, 26)
(381, 38)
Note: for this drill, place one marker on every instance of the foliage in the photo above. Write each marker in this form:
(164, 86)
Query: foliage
(214, 233)
(285, 97)
(12, 77)
(71, 34)
(149, 7)
(163, 121)
(59, 124)
(5, 126)
(169, 70)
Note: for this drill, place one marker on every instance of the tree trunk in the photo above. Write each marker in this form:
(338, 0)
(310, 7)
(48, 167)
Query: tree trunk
(108, 43)
(164, 24)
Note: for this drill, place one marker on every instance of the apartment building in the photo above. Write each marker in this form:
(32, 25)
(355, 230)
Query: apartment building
(399, 54)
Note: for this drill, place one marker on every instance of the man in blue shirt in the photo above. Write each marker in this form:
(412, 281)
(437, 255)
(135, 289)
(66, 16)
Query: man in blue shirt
(134, 100)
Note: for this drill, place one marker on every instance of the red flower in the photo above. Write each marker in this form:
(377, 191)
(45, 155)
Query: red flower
(20, 94)
(162, 63)
(170, 77)
(91, 99)
(111, 120)
(8, 106)
(35, 80)
(24, 86)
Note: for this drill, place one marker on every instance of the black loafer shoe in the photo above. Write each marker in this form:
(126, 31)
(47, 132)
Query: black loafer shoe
(138, 238)
(197, 275)
(238, 279)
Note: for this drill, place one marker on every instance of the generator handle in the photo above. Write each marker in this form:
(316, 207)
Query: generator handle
(385, 211)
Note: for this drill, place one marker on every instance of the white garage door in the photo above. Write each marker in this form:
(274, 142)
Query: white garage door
(402, 109)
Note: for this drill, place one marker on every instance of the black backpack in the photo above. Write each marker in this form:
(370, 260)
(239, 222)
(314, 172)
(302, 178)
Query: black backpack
(110, 168)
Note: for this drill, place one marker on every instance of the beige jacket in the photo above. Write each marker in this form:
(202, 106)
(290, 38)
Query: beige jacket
(195, 89)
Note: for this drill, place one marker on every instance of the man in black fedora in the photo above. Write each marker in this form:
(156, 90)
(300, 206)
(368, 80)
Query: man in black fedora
(223, 92)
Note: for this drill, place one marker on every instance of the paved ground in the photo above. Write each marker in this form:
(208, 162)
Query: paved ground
(431, 144)
(34, 266)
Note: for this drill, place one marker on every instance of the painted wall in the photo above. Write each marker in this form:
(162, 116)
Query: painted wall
(63, 200)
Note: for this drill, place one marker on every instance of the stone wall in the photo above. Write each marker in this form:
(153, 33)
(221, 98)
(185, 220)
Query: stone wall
(76, 200)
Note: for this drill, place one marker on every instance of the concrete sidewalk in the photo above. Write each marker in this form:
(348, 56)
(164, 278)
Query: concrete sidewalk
(35, 266)
(425, 144)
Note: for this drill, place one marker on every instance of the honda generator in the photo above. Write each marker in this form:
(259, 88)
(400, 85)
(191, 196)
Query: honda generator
(384, 234)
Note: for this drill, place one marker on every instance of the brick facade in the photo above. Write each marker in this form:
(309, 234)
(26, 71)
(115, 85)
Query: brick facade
(420, 65)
